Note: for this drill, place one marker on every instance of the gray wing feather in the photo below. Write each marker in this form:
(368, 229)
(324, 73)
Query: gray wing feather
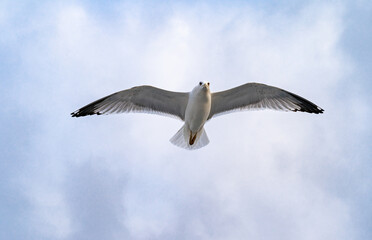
(259, 96)
(138, 99)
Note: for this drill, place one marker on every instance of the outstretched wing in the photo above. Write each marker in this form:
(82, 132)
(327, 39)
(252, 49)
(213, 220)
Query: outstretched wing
(138, 99)
(259, 96)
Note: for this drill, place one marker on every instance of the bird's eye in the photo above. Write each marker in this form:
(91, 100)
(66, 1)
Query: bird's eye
(200, 83)
(208, 84)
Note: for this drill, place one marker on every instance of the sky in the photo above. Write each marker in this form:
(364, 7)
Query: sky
(264, 175)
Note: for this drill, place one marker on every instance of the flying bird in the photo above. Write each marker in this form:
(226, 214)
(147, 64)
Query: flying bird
(195, 108)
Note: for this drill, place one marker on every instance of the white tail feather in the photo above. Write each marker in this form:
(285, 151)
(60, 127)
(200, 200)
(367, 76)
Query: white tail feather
(181, 139)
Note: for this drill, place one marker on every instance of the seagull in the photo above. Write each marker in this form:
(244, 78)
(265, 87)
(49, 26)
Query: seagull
(195, 108)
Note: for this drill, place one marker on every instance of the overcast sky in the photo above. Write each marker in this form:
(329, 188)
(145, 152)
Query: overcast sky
(264, 175)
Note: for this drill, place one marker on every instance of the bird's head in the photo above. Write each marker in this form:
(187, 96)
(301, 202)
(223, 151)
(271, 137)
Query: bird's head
(203, 85)
(201, 88)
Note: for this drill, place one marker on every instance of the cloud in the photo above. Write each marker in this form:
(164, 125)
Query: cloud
(95, 198)
(267, 174)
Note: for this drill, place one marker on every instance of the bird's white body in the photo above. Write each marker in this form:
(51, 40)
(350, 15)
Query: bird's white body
(198, 108)
(192, 134)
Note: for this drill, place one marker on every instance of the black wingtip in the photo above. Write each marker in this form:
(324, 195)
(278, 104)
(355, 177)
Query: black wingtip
(316, 110)
(90, 109)
(75, 114)
(320, 110)
(306, 106)
(82, 113)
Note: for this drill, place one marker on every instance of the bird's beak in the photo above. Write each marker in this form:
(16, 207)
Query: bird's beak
(206, 85)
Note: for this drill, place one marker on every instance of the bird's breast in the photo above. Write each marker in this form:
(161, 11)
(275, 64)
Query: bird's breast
(197, 111)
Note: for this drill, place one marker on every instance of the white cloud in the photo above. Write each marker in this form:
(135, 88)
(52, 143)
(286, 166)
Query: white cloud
(267, 175)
